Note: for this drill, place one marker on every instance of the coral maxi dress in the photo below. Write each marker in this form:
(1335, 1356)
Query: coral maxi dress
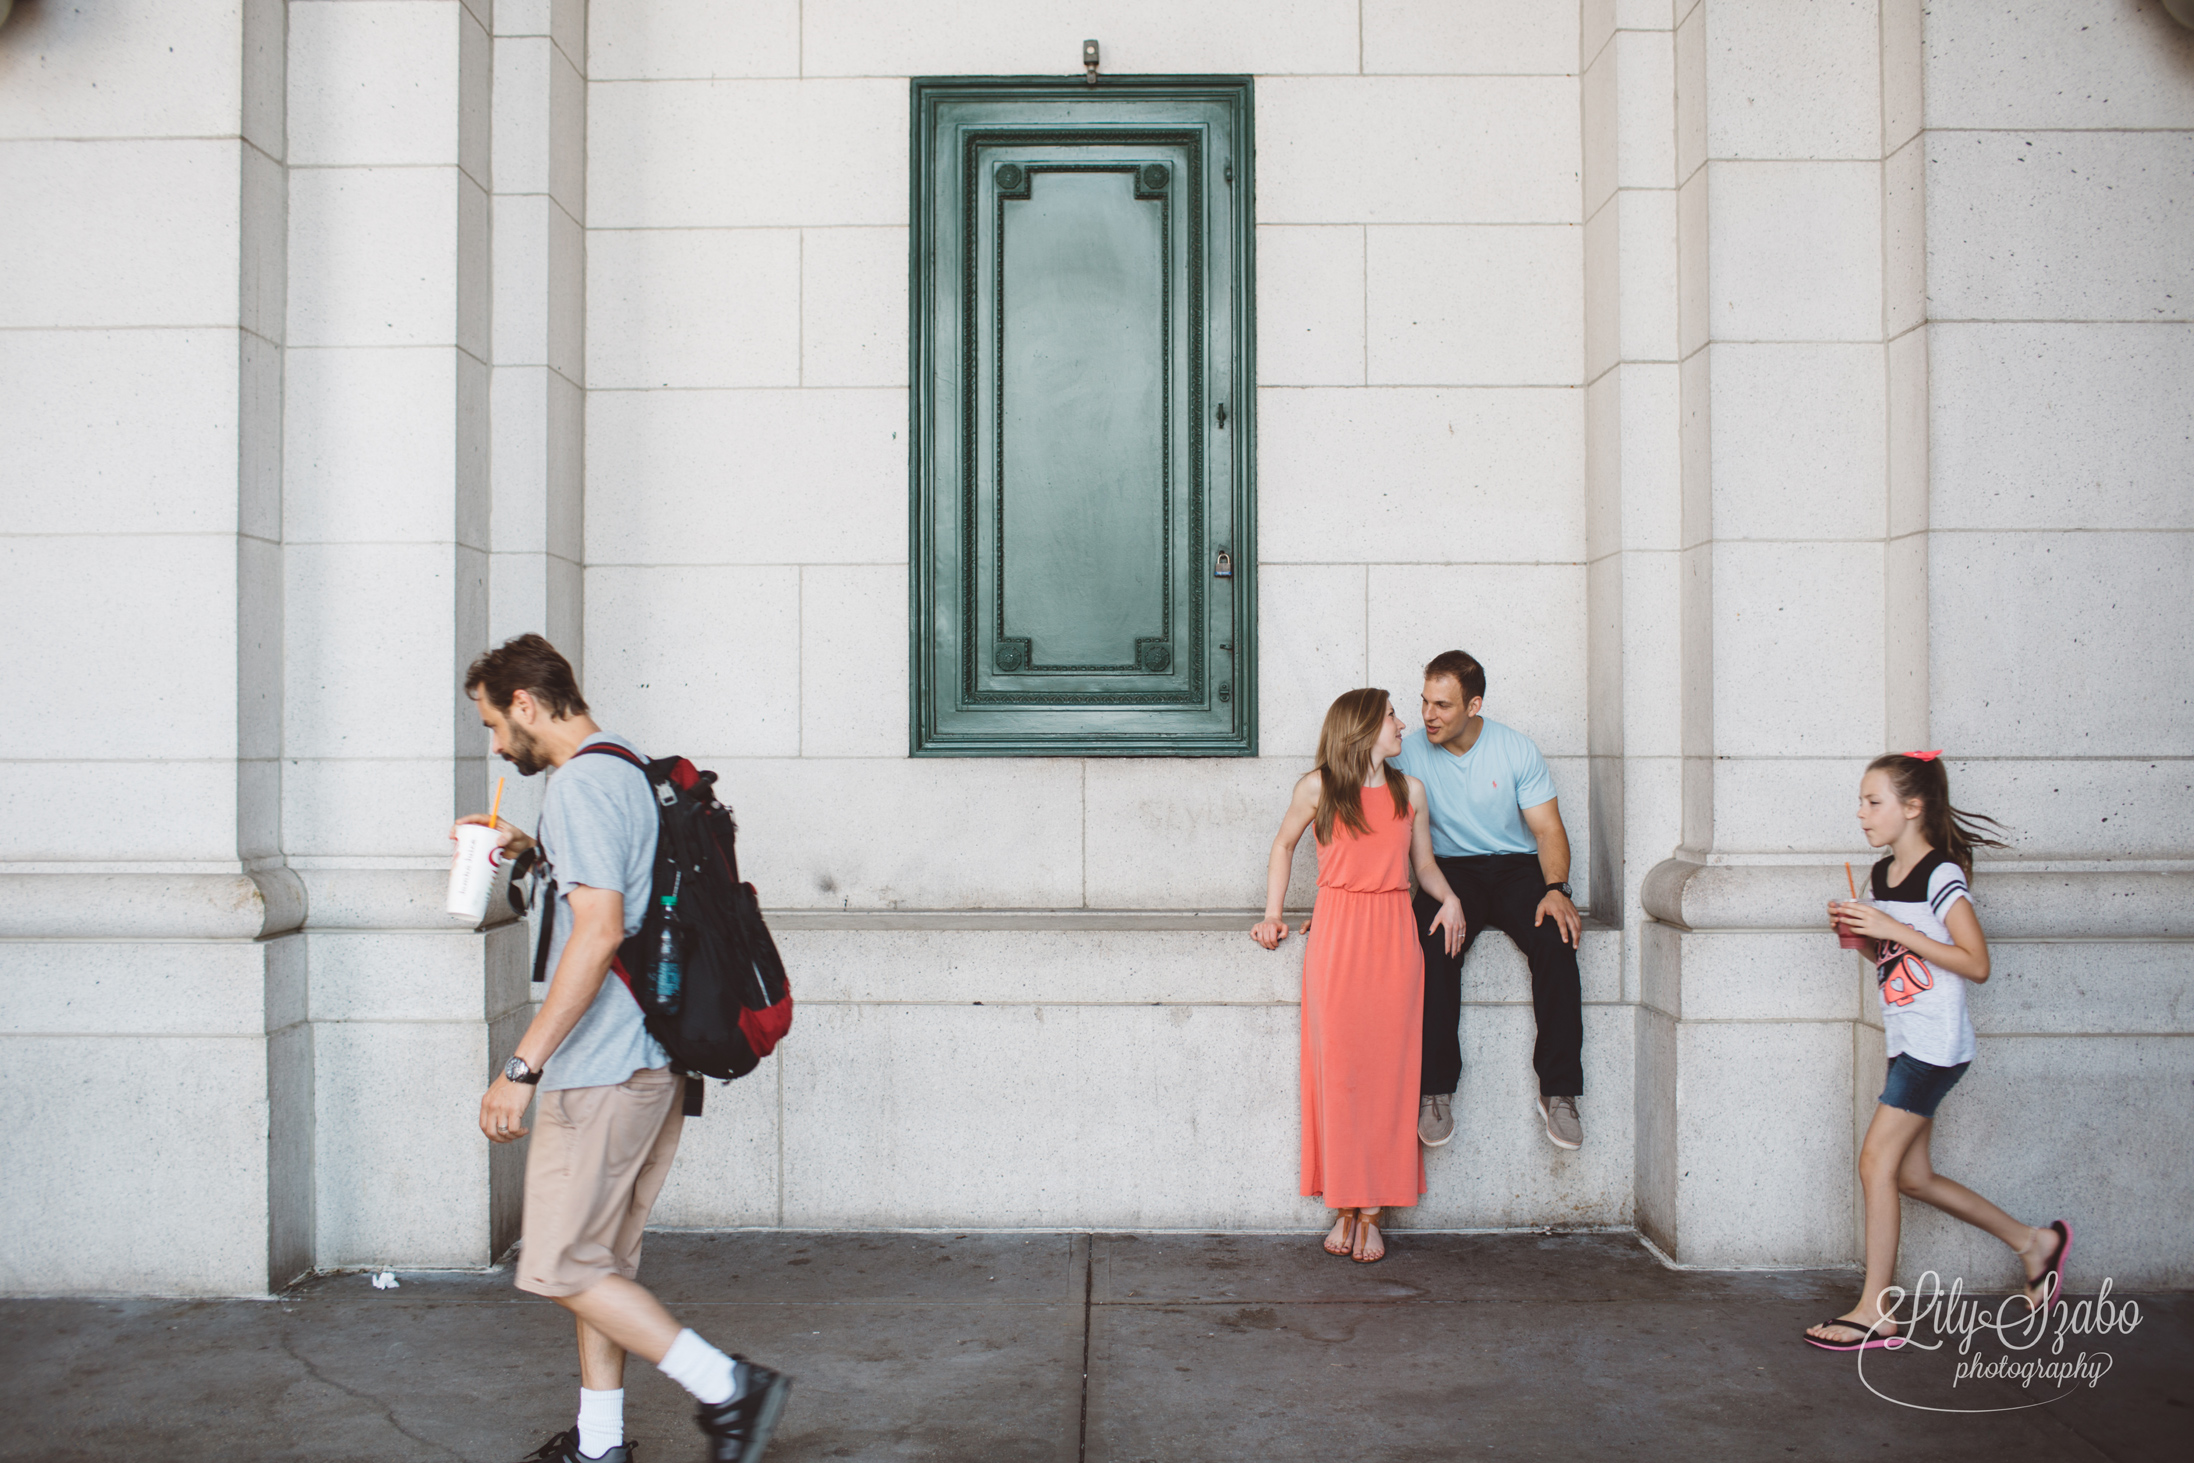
(1363, 1013)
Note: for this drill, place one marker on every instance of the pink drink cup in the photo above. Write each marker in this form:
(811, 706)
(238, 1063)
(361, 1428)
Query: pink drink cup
(1850, 941)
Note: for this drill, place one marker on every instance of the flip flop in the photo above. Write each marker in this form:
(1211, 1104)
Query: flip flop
(1868, 1342)
(2051, 1280)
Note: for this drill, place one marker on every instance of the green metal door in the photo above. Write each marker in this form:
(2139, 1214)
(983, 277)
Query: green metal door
(1082, 560)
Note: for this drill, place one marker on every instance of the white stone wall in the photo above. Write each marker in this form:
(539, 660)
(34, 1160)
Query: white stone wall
(1752, 384)
(1419, 306)
(1130, 1072)
(2058, 157)
(1420, 265)
(143, 388)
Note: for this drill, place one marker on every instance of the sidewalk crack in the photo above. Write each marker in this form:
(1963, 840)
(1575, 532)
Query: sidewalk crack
(388, 1412)
(1089, 1249)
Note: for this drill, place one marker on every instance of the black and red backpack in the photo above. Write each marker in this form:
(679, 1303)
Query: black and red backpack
(733, 1002)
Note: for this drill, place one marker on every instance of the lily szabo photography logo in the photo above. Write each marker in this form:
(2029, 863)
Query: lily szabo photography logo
(2046, 1354)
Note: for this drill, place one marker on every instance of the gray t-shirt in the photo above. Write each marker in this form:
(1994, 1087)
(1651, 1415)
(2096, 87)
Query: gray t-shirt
(598, 829)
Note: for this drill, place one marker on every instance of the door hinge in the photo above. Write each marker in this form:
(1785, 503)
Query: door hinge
(1222, 416)
(1230, 172)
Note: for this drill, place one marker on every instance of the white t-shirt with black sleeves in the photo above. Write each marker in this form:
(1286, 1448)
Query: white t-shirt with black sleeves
(1923, 1008)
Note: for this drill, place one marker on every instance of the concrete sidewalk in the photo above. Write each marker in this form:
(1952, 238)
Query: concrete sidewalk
(1062, 1348)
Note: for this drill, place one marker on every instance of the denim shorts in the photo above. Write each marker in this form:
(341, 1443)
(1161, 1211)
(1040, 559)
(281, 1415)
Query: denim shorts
(1919, 1087)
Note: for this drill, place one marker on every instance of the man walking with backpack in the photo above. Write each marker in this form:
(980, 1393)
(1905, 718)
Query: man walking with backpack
(610, 1104)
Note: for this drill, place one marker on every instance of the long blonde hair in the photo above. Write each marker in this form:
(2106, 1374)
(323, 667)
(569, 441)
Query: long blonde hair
(1353, 724)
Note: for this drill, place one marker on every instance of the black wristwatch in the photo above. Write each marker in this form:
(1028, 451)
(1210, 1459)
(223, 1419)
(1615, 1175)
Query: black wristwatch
(516, 1070)
(1563, 890)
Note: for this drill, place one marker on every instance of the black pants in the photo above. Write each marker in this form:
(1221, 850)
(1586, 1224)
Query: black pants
(1503, 890)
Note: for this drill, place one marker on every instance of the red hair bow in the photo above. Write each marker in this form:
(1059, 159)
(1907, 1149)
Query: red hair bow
(1925, 756)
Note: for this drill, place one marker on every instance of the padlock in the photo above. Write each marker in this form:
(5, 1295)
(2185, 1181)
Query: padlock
(1223, 567)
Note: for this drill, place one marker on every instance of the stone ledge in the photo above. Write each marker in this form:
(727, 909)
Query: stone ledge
(2027, 904)
(1134, 957)
(1212, 921)
(1227, 921)
(151, 906)
(389, 899)
(241, 906)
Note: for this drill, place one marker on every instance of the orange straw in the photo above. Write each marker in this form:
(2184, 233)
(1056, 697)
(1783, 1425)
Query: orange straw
(498, 807)
(1854, 883)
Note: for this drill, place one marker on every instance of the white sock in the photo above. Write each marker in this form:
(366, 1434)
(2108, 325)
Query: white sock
(601, 1421)
(699, 1368)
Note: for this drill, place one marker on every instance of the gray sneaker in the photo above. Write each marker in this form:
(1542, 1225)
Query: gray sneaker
(1562, 1128)
(1435, 1118)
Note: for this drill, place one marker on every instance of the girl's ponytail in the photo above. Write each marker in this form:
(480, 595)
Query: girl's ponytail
(1952, 830)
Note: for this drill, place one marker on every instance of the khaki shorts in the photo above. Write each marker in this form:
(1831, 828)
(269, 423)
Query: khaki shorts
(598, 1158)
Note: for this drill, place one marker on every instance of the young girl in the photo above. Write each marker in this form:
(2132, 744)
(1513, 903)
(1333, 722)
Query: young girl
(1927, 945)
(1364, 973)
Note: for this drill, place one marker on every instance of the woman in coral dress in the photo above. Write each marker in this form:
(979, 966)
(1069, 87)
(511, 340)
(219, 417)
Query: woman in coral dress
(1363, 973)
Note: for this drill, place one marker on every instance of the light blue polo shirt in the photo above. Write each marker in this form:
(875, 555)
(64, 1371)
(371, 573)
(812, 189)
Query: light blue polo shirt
(1477, 799)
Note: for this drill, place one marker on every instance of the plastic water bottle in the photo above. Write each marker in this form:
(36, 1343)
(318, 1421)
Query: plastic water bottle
(667, 973)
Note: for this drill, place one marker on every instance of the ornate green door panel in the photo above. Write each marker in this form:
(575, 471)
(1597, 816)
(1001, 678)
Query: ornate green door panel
(1083, 561)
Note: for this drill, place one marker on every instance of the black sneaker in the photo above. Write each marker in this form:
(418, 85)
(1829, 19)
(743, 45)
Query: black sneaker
(737, 1431)
(564, 1448)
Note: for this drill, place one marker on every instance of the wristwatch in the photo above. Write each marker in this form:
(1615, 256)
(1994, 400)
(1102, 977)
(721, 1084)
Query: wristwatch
(516, 1070)
(1561, 889)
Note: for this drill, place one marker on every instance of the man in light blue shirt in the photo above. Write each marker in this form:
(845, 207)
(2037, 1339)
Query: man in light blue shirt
(611, 1106)
(1497, 834)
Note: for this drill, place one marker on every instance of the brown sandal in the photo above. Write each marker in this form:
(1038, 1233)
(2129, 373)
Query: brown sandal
(1367, 1225)
(1347, 1225)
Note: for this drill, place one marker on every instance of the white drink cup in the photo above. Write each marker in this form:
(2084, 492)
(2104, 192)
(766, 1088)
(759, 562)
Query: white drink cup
(472, 871)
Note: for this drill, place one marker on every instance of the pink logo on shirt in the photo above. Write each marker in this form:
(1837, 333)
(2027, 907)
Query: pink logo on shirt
(1903, 975)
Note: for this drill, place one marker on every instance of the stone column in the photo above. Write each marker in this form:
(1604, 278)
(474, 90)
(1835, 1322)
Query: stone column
(1935, 457)
(538, 372)
(536, 400)
(1784, 680)
(387, 511)
(1633, 498)
(2040, 191)
(155, 1068)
